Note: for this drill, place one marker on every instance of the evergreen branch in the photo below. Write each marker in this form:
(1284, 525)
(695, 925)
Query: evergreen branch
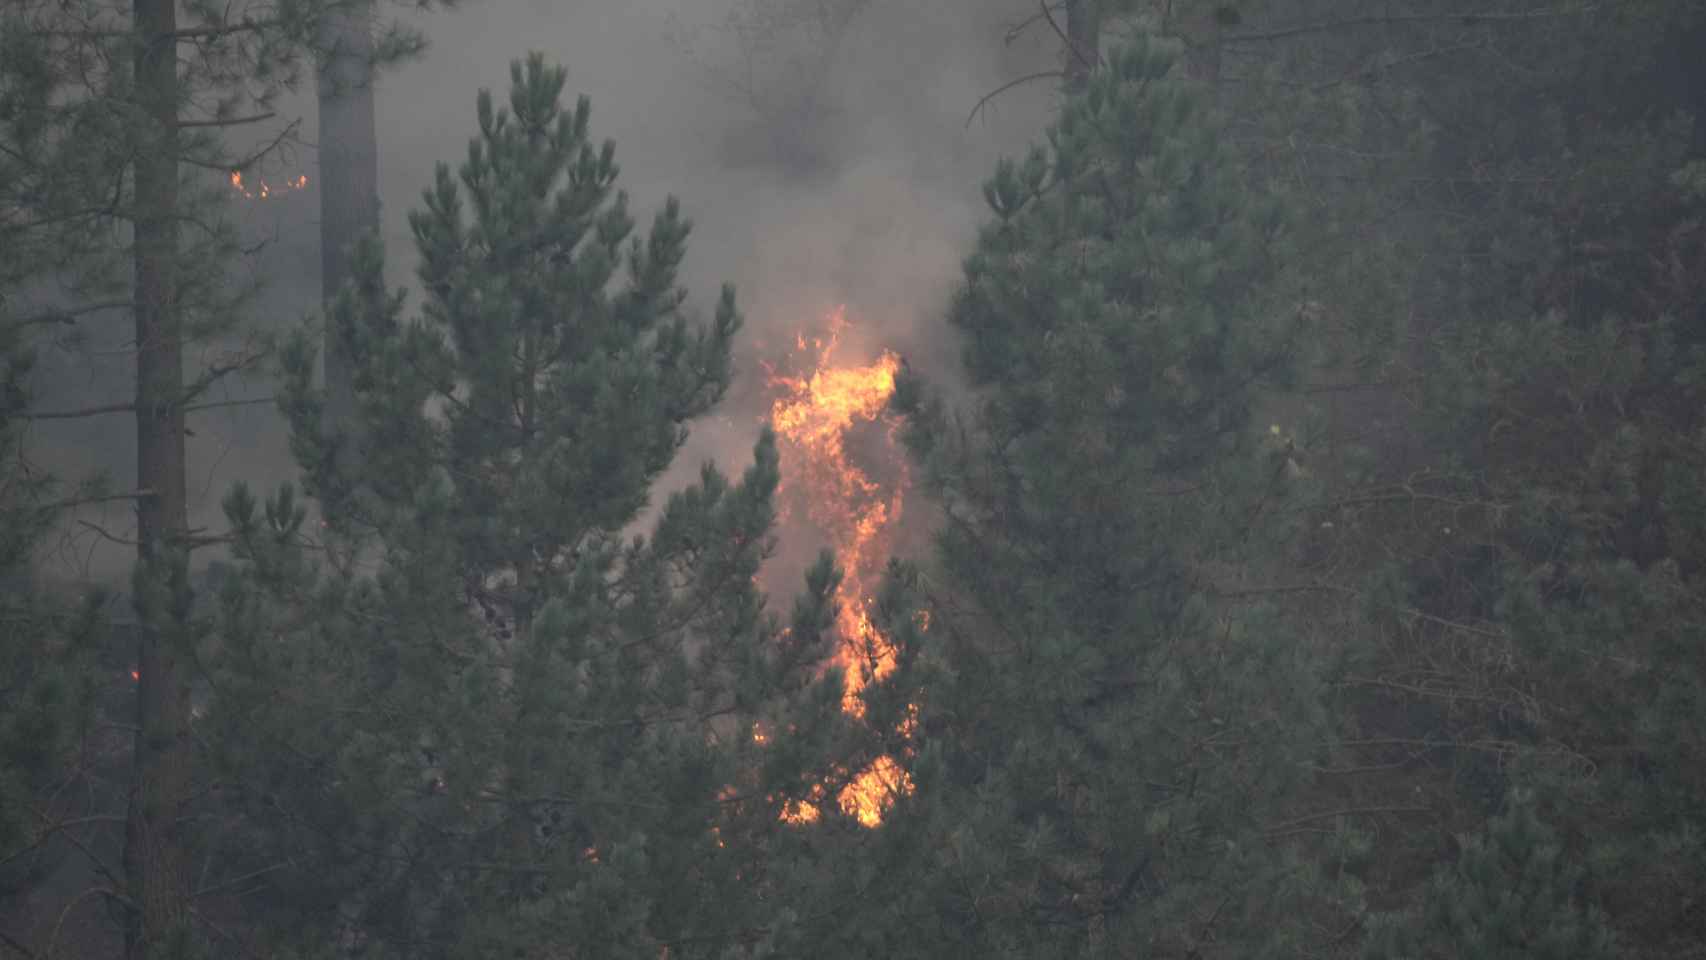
(221, 31)
(111, 209)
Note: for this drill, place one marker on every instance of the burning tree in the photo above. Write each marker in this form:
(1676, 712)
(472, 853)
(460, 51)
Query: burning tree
(512, 730)
(819, 413)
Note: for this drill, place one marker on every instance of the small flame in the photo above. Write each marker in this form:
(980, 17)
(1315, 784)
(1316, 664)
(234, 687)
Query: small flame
(263, 190)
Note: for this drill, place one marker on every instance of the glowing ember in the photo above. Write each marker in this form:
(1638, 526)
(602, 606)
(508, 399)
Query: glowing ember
(814, 415)
(263, 190)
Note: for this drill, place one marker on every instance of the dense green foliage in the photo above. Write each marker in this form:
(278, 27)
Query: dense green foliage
(493, 721)
(1511, 893)
(1485, 565)
(1111, 736)
(124, 302)
(1508, 441)
(47, 655)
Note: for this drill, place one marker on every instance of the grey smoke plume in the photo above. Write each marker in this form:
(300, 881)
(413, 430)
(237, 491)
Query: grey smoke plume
(878, 220)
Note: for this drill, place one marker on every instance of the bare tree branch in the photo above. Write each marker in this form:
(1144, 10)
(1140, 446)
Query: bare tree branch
(1018, 29)
(70, 502)
(1077, 54)
(234, 881)
(15, 945)
(982, 102)
(80, 413)
(1288, 825)
(216, 371)
(1243, 593)
(68, 316)
(1389, 19)
(232, 122)
(214, 404)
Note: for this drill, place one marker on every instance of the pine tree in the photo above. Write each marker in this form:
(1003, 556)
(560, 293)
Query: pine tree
(1511, 894)
(112, 190)
(1110, 730)
(47, 670)
(1506, 552)
(501, 725)
(1511, 533)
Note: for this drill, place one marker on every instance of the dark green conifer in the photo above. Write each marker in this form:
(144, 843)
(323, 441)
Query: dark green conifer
(1108, 731)
(1511, 895)
(504, 722)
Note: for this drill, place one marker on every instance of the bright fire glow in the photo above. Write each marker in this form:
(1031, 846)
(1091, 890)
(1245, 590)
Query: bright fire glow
(813, 415)
(261, 190)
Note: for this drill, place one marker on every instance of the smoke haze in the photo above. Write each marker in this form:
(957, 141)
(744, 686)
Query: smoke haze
(878, 218)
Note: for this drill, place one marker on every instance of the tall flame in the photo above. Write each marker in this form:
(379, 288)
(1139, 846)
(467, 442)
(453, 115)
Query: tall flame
(813, 415)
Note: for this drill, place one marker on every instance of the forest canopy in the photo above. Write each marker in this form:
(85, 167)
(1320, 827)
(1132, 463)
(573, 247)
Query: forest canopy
(1284, 535)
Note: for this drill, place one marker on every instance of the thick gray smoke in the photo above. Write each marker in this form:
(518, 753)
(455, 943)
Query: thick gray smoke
(871, 201)
(880, 222)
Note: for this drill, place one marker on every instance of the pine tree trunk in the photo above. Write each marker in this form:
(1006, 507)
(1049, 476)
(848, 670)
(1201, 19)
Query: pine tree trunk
(153, 854)
(1083, 38)
(349, 176)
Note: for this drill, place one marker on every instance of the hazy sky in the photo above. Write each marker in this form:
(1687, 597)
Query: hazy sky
(881, 226)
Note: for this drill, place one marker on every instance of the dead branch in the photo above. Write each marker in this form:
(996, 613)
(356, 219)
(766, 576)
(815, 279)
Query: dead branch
(68, 316)
(71, 502)
(984, 100)
(80, 413)
(1077, 54)
(231, 122)
(1390, 19)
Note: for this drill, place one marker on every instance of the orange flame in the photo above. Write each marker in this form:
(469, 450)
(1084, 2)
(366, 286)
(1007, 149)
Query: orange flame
(263, 190)
(813, 416)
